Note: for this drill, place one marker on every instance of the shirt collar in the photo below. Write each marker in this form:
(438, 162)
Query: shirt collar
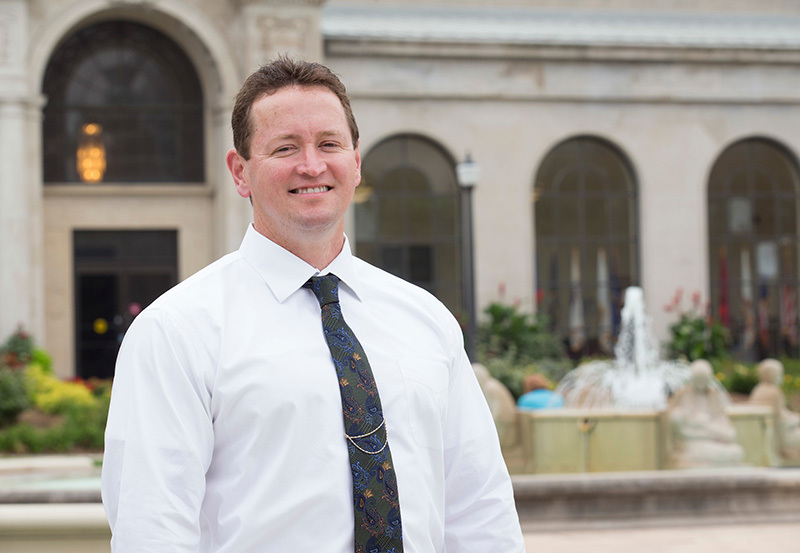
(285, 273)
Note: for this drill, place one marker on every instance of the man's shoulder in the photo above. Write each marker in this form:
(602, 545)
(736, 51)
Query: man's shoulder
(200, 288)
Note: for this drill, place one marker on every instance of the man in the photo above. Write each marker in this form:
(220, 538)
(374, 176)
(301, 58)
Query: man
(226, 429)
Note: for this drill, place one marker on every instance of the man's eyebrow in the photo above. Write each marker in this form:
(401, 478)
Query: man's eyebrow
(326, 134)
(292, 136)
(288, 136)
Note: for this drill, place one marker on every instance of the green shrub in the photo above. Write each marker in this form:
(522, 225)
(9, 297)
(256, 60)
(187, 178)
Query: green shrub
(51, 395)
(512, 345)
(738, 378)
(13, 396)
(81, 430)
(524, 337)
(696, 335)
(17, 351)
(43, 359)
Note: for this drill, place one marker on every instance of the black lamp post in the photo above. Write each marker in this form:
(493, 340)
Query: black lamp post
(467, 173)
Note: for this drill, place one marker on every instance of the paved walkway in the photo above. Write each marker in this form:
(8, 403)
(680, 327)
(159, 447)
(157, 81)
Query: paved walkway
(751, 538)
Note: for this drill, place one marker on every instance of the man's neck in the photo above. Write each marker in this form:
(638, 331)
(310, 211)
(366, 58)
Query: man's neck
(318, 250)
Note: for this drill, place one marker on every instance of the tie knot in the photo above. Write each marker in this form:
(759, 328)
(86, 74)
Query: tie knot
(325, 287)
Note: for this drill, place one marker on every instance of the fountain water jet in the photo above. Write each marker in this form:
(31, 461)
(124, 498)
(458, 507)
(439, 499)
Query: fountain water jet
(636, 378)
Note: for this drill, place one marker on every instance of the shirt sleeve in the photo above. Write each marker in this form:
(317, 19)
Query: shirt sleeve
(480, 514)
(159, 439)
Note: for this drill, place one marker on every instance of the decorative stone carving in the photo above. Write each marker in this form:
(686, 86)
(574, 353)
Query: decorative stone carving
(702, 434)
(787, 423)
(282, 3)
(278, 34)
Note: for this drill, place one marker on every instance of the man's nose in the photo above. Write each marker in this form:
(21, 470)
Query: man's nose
(311, 163)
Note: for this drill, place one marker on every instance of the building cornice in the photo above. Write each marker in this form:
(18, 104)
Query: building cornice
(282, 3)
(515, 33)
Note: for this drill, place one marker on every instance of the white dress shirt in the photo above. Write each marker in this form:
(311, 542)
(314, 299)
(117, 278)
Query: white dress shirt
(226, 434)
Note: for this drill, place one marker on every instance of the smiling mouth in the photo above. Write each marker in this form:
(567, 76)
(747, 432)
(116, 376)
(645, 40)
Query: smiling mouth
(314, 190)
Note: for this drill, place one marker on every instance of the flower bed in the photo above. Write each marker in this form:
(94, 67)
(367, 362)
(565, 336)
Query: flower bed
(39, 413)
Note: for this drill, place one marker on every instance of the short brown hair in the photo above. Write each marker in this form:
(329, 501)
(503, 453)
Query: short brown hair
(274, 76)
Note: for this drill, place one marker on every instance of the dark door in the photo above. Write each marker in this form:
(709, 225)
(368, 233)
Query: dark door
(117, 274)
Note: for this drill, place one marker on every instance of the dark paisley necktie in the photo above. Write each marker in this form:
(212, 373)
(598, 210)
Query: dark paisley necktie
(377, 510)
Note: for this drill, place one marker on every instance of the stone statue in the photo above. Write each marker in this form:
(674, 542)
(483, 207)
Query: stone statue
(501, 404)
(787, 423)
(702, 434)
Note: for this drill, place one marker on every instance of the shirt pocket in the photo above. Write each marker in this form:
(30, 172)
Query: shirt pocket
(426, 385)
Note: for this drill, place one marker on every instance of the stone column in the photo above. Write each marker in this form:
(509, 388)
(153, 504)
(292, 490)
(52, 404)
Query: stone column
(21, 273)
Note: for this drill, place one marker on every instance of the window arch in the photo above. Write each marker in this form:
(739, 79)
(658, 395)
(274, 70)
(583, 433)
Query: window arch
(753, 240)
(586, 246)
(124, 105)
(407, 215)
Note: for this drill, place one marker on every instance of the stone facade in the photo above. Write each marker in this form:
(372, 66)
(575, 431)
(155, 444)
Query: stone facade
(671, 106)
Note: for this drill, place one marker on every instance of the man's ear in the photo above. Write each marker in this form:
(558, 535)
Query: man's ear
(237, 165)
(358, 161)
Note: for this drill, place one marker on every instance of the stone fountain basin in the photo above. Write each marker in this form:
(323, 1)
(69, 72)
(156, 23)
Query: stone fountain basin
(51, 503)
(552, 441)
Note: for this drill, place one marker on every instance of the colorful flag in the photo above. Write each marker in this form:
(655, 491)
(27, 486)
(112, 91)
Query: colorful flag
(552, 290)
(577, 331)
(616, 293)
(763, 316)
(749, 334)
(789, 313)
(724, 312)
(605, 324)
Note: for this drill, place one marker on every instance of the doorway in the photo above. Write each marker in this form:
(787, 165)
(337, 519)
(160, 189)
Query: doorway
(117, 274)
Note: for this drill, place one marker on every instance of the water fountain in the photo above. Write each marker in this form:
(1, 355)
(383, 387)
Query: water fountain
(615, 416)
(636, 378)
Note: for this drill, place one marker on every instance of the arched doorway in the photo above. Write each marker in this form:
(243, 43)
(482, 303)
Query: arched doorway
(124, 108)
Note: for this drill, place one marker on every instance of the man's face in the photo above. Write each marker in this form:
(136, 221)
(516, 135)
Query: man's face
(303, 166)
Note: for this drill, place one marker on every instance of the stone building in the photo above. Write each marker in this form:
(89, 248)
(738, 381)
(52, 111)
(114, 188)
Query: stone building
(619, 142)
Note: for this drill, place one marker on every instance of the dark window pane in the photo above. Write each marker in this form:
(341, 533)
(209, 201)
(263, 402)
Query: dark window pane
(585, 216)
(124, 104)
(421, 264)
(412, 215)
(753, 268)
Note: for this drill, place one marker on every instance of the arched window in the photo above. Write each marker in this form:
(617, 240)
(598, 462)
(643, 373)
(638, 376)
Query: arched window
(124, 105)
(586, 247)
(407, 215)
(753, 228)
